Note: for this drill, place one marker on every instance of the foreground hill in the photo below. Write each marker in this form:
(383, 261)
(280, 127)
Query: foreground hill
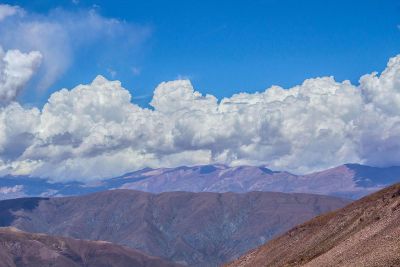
(25, 249)
(197, 229)
(365, 233)
(349, 181)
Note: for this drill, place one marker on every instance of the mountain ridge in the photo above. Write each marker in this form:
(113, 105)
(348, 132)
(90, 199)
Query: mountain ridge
(349, 181)
(196, 229)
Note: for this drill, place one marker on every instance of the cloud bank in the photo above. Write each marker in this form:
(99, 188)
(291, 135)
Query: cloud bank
(94, 131)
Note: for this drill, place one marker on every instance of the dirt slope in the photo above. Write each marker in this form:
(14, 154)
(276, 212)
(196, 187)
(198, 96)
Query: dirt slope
(22, 249)
(364, 233)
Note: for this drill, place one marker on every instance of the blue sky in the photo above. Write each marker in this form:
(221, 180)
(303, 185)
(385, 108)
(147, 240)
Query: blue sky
(225, 47)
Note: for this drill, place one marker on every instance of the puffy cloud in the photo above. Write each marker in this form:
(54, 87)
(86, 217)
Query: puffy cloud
(17, 124)
(94, 131)
(16, 69)
(60, 35)
(379, 125)
(383, 91)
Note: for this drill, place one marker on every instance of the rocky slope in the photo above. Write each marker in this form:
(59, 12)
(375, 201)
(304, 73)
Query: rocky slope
(25, 249)
(364, 233)
(350, 181)
(196, 229)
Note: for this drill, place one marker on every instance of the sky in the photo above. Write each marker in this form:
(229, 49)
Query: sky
(226, 47)
(95, 89)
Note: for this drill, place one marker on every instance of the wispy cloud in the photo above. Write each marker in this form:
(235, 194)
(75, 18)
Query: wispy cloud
(60, 36)
(8, 11)
(11, 192)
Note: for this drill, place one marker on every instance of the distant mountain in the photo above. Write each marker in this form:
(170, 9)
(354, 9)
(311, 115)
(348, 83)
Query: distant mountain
(365, 233)
(350, 181)
(22, 249)
(195, 229)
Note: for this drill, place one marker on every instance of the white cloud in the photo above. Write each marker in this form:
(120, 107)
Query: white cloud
(9, 11)
(16, 69)
(10, 190)
(60, 35)
(94, 131)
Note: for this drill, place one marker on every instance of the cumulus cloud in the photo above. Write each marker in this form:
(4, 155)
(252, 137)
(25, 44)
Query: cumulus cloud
(94, 130)
(16, 69)
(60, 35)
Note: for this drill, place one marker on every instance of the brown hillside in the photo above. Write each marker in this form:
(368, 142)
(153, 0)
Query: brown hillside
(196, 229)
(22, 249)
(364, 233)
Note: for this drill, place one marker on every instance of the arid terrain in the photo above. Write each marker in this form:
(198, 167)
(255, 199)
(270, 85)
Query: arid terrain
(199, 133)
(21, 249)
(196, 229)
(364, 233)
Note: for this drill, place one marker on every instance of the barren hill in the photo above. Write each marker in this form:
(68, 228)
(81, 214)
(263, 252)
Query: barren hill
(197, 229)
(22, 249)
(365, 233)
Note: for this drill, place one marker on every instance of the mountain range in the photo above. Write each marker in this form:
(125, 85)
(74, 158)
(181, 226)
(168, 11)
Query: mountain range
(364, 233)
(194, 229)
(349, 181)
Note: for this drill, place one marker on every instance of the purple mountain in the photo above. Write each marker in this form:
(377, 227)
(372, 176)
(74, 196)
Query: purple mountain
(350, 181)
